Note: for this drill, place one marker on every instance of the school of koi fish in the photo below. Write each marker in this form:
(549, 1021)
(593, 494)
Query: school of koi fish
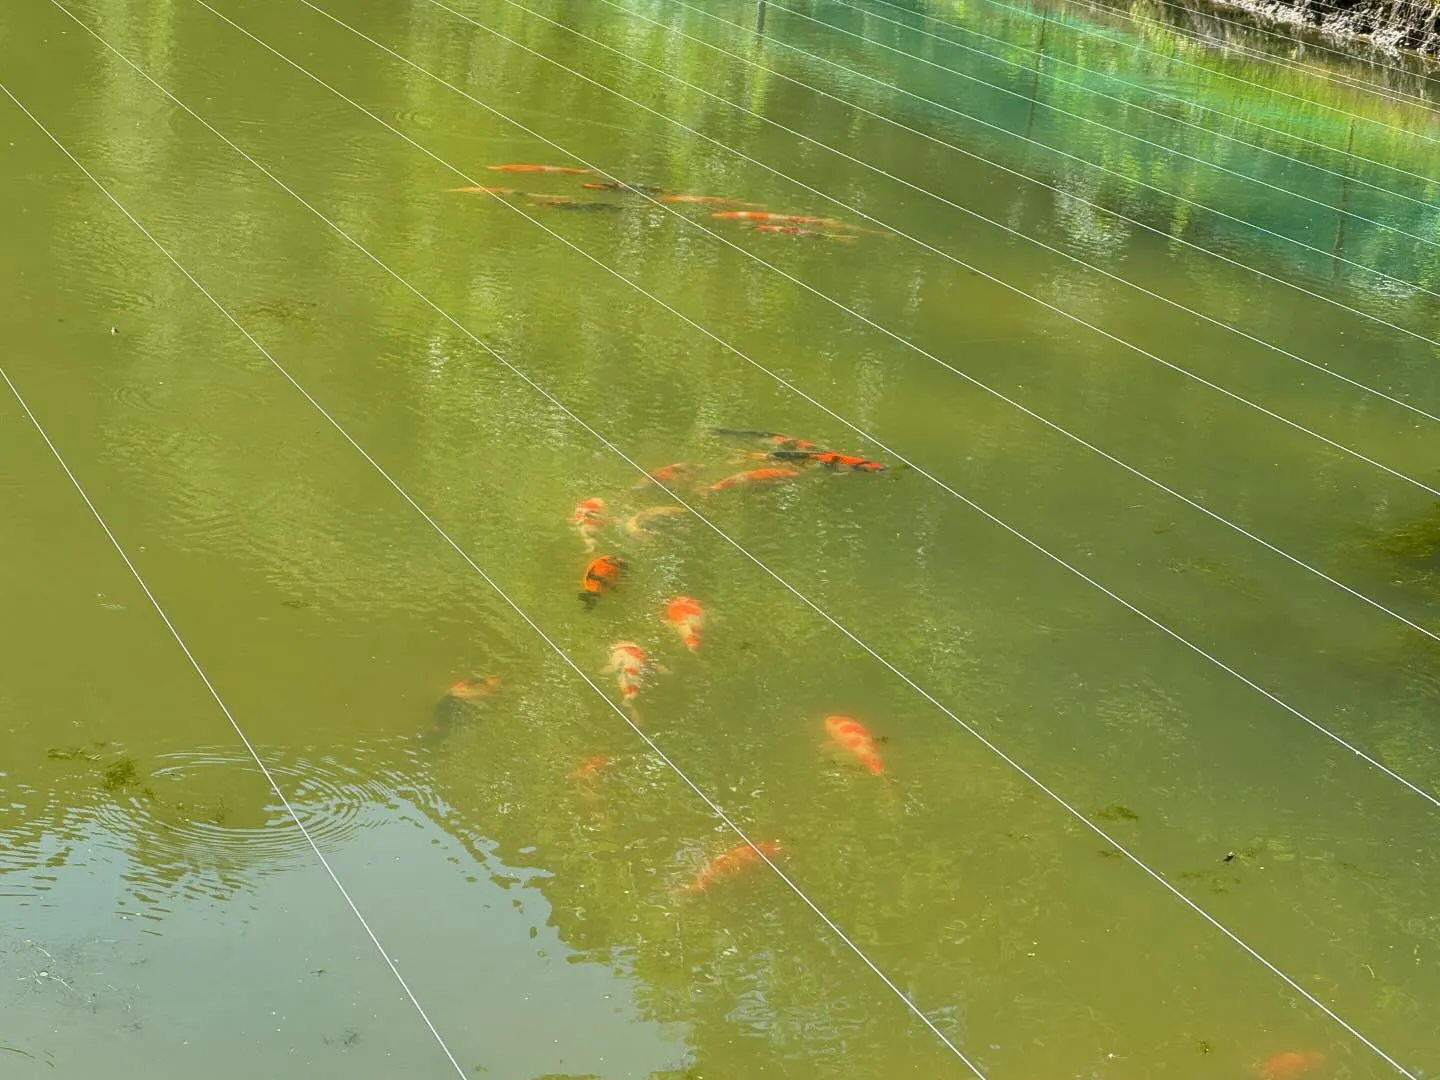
(748, 215)
(631, 664)
(788, 458)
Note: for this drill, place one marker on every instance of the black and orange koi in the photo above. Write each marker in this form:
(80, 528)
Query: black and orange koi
(600, 576)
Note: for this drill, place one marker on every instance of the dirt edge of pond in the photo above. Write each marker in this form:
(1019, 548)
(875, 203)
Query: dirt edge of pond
(1368, 29)
(1388, 24)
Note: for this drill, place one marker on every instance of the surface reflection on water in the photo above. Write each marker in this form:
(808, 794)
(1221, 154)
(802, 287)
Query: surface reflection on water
(521, 854)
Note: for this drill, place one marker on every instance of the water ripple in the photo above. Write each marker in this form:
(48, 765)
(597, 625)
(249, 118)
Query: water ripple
(207, 820)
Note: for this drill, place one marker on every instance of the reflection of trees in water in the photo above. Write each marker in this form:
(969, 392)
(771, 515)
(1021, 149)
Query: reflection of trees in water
(744, 961)
(1403, 555)
(734, 969)
(611, 855)
(681, 160)
(452, 403)
(751, 974)
(1020, 74)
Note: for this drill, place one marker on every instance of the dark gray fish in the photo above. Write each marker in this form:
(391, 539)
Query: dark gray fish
(461, 704)
(743, 433)
(584, 206)
(610, 185)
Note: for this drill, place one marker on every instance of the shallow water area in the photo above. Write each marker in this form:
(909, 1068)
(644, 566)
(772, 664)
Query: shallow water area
(1121, 345)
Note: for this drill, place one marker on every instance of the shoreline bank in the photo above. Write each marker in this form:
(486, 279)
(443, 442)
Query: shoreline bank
(1388, 25)
(1397, 41)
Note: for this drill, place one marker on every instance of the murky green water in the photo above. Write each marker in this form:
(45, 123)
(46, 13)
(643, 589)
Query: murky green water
(1028, 571)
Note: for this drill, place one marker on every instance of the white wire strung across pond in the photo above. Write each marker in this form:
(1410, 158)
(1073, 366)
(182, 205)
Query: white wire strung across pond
(1334, 736)
(1043, 57)
(1184, 32)
(654, 747)
(575, 418)
(185, 648)
(1024, 176)
(900, 339)
(1102, 126)
(1215, 71)
(1330, 256)
(1022, 408)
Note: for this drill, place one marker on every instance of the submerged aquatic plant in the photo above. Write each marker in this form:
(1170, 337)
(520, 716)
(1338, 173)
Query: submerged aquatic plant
(122, 774)
(1417, 541)
(1407, 555)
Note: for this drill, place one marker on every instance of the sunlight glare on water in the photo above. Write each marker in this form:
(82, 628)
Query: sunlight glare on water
(1078, 376)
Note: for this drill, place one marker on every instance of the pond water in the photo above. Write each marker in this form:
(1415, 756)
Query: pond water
(1137, 310)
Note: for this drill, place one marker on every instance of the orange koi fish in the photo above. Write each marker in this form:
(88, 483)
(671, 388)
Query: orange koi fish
(635, 526)
(754, 476)
(1291, 1063)
(667, 473)
(779, 219)
(566, 169)
(611, 185)
(704, 200)
(851, 735)
(589, 518)
(737, 858)
(688, 618)
(630, 665)
(476, 689)
(476, 189)
(587, 769)
(600, 576)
